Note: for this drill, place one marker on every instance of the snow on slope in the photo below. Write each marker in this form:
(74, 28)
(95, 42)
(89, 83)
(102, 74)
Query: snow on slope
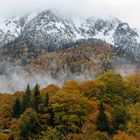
(11, 28)
(51, 30)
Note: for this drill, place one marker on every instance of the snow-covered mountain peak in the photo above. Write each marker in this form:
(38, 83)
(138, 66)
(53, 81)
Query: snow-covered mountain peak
(53, 31)
(11, 28)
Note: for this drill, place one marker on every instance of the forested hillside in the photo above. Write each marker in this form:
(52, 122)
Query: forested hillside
(22, 63)
(106, 108)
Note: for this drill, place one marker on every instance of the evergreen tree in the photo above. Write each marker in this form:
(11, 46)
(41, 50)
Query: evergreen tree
(46, 102)
(44, 106)
(51, 113)
(26, 103)
(36, 98)
(16, 108)
(102, 122)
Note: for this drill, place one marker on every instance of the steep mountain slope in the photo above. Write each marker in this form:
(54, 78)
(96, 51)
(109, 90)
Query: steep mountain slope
(11, 28)
(52, 31)
(85, 60)
(48, 48)
(82, 61)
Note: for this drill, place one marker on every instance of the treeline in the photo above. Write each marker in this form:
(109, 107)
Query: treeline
(107, 108)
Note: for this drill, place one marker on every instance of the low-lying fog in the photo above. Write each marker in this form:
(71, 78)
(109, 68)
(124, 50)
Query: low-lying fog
(14, 78)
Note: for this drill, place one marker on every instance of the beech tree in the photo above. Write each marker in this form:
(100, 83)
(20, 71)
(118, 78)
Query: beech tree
(69, 111)
(114, 88)
(120, 118)
(28, 125)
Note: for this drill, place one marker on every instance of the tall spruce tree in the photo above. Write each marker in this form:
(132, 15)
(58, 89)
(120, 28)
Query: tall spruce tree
(52, 115)
(44, 106)
(102, 122)
(26, 103)
(36, 98)
(46, 101)
(16, 108)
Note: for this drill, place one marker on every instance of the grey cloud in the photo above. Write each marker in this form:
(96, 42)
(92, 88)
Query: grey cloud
(127, 10)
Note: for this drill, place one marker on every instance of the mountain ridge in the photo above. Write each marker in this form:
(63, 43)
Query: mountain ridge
(53, 32)
(53, 49)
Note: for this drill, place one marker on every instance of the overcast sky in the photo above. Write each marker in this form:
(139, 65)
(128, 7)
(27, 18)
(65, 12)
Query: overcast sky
(126, 10)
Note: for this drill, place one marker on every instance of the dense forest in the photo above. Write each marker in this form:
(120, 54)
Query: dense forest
(106, 108)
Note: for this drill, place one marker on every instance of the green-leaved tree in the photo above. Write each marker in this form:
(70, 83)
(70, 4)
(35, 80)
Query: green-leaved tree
(28, 125)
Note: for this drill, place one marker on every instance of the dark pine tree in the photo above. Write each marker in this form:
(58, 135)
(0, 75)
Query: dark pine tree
(26, 103)
(102, 122)
(46, 101)
(16, 108)
(51, 114)
(44, 107)
(36, 98)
